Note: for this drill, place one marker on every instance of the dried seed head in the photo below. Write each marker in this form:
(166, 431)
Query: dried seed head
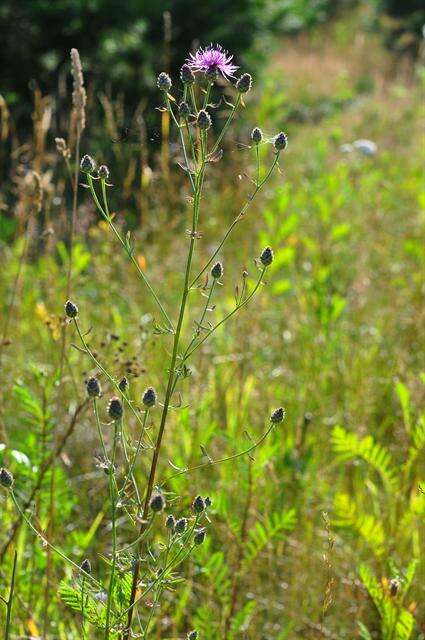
(62, 148)
(170, 522)
(277, 415)
(71, 309)
(198, 505)
(93, 387)
(192, 635)
(87, 164)
(123, 384)
(79, 97)
(217, 270)
(244, 84)
(157, 503)
(115, 408)
(256, 135)
(199, 536)
(266, 257)
(203, 120)
(164, 82)
(149, 397)
(6, 478)
(86, 566)
(186, 74)
(394, 587)
(103, 172)
(281, 141)
(184, 110)
(181, 525)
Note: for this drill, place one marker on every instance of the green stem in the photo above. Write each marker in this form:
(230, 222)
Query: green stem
(133, 461)
(170, 384)
(235, 221)
(97, 584)
(229, 315)
(221, 460)
(180, 130)
(114, 529)
(199, 327)
(9, 603)
(226, 125)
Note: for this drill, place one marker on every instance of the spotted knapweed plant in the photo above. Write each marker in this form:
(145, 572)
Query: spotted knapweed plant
(139, 570)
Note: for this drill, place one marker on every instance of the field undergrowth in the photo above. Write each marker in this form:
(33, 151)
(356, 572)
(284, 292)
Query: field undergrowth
(318, 532)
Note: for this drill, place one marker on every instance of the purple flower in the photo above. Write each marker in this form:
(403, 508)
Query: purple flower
(212, 58)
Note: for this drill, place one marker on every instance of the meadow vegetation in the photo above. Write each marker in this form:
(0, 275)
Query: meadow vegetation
(315, 533)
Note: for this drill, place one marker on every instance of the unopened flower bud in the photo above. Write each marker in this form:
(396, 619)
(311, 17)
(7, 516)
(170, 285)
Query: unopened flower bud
(181, 525)
(280, 141)
(277, 415)
(71, 309)
(157, 503)
(103, 172)
(184, 110)
(115, 408)
(6, 478)
(123, 385)
(186, 74)
(86, 566)
(149, 397)
(199, 536)
(170, 522)
(217, 270)
(266, 257)
(93, 387)
(192, 635)
(203, 120)
(256, 135)
(198, 504)
(87, 164)
(208, 502)
(164, 82)
(244, 84)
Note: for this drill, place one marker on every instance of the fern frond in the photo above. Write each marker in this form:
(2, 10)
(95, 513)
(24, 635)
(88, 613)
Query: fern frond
(71, 596)
(241, 619)
(262, 534)
(366, 525)
(348, 446)
(396, 622)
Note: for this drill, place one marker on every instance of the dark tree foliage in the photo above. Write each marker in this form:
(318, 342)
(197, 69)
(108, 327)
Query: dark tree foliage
(120, 42)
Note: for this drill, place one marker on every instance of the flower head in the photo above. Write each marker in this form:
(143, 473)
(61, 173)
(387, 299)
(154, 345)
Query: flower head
(244, 83)
(157, 502)
(6, 478)
(115, 408)
(149, 397)
(71, 309)
(266, 257)
(86, 566)
(280, 141)
(164, 82)
(93, 387)
(277, 415)
(212, 59)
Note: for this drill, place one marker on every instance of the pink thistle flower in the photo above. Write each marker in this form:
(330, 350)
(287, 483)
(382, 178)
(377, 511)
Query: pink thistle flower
(212, 58)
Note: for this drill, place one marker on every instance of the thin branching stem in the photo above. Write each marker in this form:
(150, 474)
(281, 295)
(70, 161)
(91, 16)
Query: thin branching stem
(239, 217)
(211, 463)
